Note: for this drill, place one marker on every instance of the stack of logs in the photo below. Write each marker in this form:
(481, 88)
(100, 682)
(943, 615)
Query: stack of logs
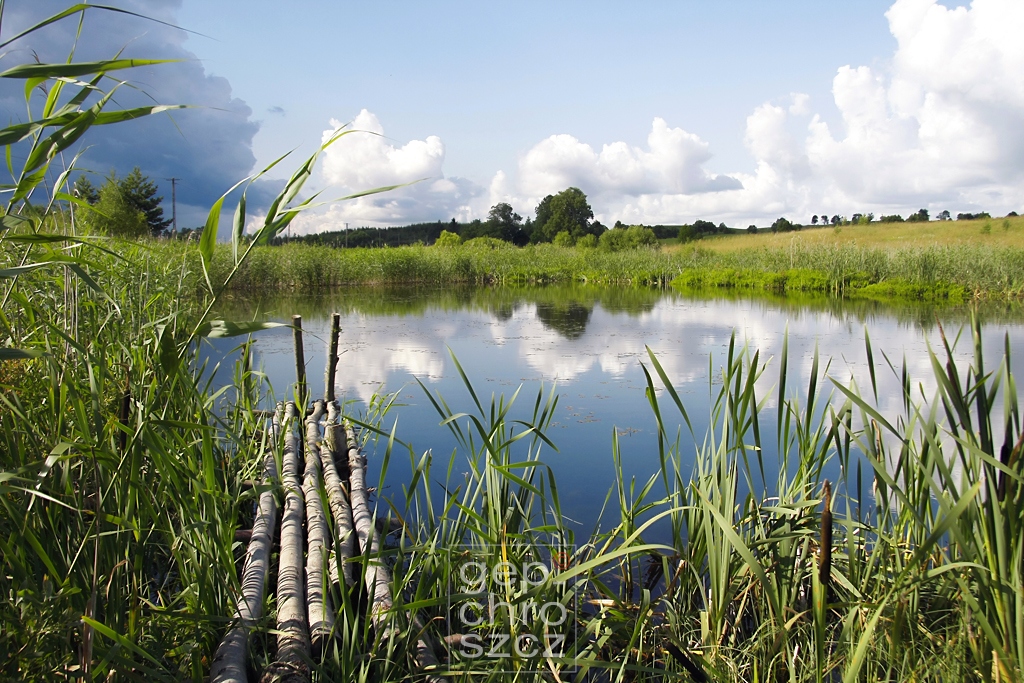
(332, 465)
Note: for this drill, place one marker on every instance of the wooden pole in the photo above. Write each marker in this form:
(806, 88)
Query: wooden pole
(332, 358)
(300, 364)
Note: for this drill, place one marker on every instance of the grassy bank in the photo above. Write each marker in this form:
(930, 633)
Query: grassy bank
(897, 268)
(306, 268)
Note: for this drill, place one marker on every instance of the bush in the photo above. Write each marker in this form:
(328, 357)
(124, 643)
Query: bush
(487, 243)
(563, 239)
(113, 215)
(587, 242)
(447, 240)
(633, 237)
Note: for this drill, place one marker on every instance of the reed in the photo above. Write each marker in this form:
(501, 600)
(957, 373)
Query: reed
(942, 273)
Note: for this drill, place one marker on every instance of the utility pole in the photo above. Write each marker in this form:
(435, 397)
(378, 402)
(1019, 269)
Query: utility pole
(174, 204)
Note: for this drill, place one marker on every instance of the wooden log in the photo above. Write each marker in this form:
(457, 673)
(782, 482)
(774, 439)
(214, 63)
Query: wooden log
(300, 362)
(376, 573)
(337, 497)
(318, 601)
(229, 661)
(293, 635)
(332, 358)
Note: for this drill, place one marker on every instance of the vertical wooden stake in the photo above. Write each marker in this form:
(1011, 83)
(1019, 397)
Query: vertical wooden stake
(332, 358)
(300, 363)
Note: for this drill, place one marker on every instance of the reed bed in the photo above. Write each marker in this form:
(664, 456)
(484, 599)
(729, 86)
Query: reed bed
(941, 273)
(308, 268)
(952, 272)
(907, 567)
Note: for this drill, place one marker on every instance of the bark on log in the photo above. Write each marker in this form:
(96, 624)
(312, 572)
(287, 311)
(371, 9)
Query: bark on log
(229, 662)
(337, 498)
(321, 616)
(293, 635)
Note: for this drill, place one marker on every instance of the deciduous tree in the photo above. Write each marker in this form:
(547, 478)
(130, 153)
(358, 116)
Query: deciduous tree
(568, 210)
(505, 223)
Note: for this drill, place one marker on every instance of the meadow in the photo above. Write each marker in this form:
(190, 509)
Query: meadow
(124, 473)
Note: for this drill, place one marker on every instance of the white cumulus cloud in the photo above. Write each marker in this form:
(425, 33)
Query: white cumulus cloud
(671, 164)
(938, 129)
(937, 126)
(365, 159)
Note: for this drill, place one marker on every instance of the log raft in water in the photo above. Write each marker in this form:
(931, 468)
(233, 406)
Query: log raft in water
(332, 466)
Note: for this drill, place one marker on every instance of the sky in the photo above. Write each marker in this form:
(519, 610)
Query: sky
(661, 112)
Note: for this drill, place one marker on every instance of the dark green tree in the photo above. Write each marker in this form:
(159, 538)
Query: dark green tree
(782, 225)
(703, 227)
(566, 211)
(543, 216)
(688, 233)
(505, 223)
(140, 192)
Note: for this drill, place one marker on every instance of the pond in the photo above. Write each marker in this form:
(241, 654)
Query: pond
(591, 343)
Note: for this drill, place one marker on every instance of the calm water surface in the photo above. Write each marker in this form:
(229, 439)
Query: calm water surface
(590, 343)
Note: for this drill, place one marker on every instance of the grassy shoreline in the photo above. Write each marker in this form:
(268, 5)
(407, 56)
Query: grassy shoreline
(940, 273)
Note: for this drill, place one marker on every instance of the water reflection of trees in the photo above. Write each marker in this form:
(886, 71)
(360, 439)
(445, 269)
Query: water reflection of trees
(569, 319)
(558, 302)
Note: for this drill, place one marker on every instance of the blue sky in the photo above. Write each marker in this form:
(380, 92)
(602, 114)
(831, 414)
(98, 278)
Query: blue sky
(662, 112)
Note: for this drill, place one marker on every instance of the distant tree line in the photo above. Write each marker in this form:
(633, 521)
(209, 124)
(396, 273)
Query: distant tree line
(565, 218)
(920, 216)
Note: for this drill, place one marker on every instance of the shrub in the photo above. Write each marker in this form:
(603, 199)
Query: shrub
(688, 233)
(113, 215)
(447, 240)
(563, 239)
(486, 243)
